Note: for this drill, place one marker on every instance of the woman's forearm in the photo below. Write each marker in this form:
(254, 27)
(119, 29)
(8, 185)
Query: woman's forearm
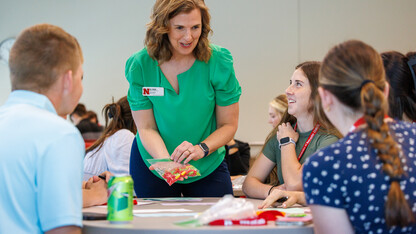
(291, 168)
(148, 133)
(153, 143)
(220, 137)
(254, 183)
(254, 188)
(227, 124)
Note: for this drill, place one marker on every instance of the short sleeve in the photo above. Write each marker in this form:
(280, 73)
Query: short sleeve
(326, 140)
(134, 75)
(227, 88)
(270, 150)
(322, 179)
(59, 182)
(118, 159)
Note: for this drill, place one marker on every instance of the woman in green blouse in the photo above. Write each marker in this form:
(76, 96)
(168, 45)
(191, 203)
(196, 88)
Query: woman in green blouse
(184, 97)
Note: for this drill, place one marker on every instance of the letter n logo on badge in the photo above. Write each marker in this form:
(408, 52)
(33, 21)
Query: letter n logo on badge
(146, 91)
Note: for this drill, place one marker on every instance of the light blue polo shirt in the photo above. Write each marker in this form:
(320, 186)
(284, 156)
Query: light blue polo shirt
(40, 166)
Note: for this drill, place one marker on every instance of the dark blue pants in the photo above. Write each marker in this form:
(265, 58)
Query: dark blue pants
(147, 185)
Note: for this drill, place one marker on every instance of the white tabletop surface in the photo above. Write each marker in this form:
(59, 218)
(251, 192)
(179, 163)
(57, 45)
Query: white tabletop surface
(165, 224)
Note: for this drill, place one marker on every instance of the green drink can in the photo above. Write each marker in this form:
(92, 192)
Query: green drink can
(120, 199)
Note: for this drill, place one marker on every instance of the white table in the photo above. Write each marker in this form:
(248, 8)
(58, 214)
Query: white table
(165, 225)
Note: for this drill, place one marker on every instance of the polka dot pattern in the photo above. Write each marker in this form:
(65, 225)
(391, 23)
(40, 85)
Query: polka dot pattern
(348, 175)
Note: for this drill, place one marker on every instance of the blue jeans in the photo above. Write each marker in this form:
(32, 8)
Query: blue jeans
(147, 185)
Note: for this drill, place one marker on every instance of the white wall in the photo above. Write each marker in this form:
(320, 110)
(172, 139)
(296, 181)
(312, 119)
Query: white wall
(267, 38)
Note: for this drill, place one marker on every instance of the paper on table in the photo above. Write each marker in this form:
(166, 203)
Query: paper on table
(165, 214)
(159, 210)
(174, 199)
(143, 203)
(189, 204)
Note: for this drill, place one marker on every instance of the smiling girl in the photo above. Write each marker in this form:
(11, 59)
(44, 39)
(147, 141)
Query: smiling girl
(300, 133)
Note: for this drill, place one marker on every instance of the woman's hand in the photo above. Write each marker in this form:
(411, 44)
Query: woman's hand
(293, 197)
(286, 130)
(186, 152)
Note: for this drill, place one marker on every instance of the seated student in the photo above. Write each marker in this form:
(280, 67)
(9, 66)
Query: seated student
(365, 182)
(277, 108)
(286, 146)
(237, 153)
(40, 153)
(87, 128)
(111, 152)
(92, 116)
(78, 114)
(402, 94)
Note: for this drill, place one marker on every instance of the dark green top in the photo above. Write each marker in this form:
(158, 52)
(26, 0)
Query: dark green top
(320, 140)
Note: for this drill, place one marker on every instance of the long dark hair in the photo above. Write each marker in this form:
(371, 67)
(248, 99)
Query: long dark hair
(402, 94)
(120, 117)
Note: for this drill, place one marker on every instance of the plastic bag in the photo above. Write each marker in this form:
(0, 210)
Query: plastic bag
(228, 208)
(231, 211)
(172, 171)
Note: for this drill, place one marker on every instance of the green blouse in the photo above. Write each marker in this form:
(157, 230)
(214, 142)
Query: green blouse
(189, 115)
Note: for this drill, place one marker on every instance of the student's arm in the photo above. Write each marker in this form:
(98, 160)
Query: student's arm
(65, 230)
(94, 193)
(253, 185)
(330, 220)
(291, 168)
(227, 123)
(149, 134)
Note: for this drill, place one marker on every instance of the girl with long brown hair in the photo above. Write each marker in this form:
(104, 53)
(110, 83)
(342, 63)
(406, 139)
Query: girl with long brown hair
(111, 152)
(365, 182)
(300, 133)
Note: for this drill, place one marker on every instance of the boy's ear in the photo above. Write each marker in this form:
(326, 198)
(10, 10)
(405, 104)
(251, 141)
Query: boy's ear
(67, 82)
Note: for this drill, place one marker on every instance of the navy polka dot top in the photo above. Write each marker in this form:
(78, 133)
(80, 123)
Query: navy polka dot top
(348, 175)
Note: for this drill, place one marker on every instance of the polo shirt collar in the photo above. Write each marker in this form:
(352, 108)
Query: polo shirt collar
(31, 98)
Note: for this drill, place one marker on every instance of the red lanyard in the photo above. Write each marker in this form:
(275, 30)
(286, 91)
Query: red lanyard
(313, 133)
(361, 121)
